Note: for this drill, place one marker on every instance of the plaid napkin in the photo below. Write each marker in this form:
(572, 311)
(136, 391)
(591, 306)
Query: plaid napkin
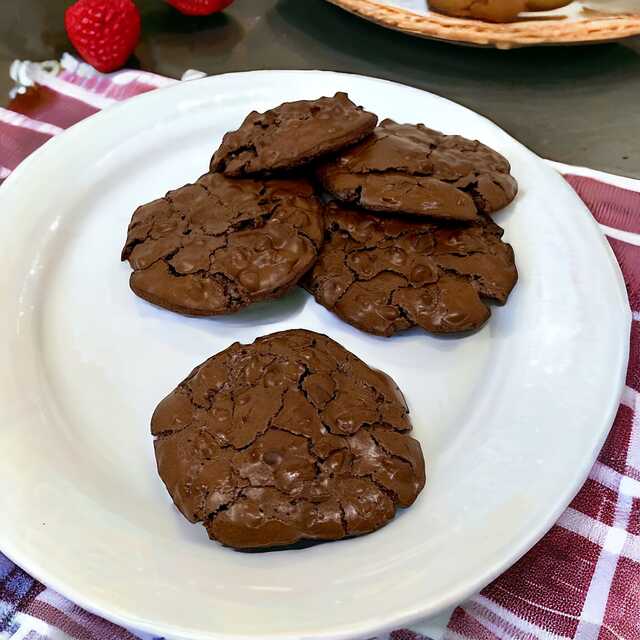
(582, 580)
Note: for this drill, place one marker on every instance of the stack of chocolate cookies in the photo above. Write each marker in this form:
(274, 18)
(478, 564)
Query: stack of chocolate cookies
(293, 438)
(406, 241)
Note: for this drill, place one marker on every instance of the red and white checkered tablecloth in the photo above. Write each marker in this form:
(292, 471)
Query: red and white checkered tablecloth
(581, 581)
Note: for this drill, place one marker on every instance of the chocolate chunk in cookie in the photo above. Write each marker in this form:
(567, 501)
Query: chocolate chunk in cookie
(412, 169)
(386, 274)
(215, 246)
(290, 438)
(291, 135)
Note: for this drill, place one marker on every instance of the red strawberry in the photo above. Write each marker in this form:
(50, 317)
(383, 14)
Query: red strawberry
(199, 7)
(105, 32)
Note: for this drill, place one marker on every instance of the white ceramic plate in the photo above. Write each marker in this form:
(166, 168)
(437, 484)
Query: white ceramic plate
(510, 419)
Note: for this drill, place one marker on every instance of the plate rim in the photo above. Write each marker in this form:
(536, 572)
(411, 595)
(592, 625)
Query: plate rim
(411, 615)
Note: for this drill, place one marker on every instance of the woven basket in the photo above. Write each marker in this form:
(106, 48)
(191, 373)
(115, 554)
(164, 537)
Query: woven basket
(586, 27)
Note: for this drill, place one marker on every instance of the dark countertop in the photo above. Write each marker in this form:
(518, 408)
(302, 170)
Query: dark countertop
(573, 104)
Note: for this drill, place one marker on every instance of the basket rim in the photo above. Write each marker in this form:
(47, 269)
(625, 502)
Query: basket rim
(594, 27)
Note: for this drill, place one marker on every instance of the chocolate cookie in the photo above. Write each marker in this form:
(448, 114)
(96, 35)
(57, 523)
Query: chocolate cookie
(217, 245)
(289, 438)
(386, 274)
(412, 169)
(291, 135)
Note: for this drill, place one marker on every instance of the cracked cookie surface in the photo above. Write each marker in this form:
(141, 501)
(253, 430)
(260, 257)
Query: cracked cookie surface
(412, 169)
(386, 274)
(291, 135)
(215, 246)
(289, 438)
